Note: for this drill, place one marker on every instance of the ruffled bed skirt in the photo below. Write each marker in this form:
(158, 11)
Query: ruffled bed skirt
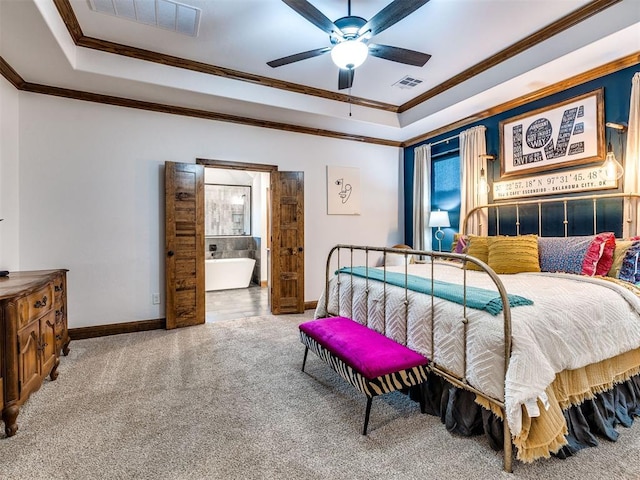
(595, 417)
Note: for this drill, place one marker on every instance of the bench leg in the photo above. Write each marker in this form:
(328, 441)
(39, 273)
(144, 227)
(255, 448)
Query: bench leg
(366, 415)
(304, 360)
(423, 406)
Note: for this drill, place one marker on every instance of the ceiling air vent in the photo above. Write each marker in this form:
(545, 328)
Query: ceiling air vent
(407, 82)
(164, 14)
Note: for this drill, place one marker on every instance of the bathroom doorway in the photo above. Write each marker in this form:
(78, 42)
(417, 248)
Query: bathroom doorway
(280, 197)
(184, 240)
(236, 243)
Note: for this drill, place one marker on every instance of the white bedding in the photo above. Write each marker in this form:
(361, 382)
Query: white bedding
(574, 321)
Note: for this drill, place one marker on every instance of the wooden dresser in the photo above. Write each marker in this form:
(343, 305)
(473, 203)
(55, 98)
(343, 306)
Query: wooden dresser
(33, 333)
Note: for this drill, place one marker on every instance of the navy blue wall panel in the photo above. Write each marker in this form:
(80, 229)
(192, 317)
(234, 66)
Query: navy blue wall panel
(617, 92)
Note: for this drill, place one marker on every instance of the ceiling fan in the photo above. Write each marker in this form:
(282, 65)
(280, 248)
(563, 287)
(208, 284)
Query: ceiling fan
(350, 37)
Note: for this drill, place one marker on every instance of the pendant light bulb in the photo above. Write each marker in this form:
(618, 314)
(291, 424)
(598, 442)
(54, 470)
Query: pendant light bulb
(612, 168)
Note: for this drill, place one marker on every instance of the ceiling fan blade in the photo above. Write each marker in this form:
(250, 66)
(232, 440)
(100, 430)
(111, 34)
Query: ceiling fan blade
(345, 78)
(400, 55)
(315, 16)
(390, 15)
(298, 56)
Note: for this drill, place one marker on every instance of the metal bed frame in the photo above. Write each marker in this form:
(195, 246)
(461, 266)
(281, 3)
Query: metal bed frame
(632, 208)
(495, 279)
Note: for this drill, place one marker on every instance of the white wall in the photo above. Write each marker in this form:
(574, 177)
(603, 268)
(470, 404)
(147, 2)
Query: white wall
(9, 245)
(91, 196)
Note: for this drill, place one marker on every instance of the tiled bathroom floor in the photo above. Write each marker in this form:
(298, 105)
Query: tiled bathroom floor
(236, 303)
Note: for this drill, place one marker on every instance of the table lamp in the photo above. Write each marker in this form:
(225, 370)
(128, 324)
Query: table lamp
(439, 219)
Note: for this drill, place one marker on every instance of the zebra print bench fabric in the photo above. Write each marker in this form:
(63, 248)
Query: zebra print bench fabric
(371, 362)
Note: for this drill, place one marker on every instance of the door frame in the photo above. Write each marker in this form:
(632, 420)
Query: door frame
(246, 166)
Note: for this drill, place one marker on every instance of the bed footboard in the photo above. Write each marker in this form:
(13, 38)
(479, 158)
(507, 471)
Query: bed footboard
(346, 262)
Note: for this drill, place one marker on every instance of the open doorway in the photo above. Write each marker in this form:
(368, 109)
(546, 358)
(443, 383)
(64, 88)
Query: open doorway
(237, 232)
(185, 245)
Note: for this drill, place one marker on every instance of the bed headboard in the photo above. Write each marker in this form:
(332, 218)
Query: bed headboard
(563, 216)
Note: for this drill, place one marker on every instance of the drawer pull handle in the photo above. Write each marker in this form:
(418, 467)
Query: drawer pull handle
(41, 303)
(57, 288)
(59, 337)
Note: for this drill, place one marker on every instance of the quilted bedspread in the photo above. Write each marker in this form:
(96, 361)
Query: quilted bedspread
(574, 321)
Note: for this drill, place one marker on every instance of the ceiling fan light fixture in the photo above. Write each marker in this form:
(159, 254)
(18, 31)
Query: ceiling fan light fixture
(349, 54)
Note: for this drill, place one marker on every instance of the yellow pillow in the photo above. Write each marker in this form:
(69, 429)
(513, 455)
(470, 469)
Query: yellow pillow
(514, 254)
(477, 247)
(618, 256)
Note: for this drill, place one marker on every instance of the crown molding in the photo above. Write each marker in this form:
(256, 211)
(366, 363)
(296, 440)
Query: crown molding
(73, 26)
(601, 71)
(70, 20)
(540, 36)
(18, 82)
(11, 75)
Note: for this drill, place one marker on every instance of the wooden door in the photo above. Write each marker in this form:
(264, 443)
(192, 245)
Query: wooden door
(184, 244)
(287, 242)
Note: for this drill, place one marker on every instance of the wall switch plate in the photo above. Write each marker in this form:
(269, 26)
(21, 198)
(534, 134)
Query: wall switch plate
(155, 298)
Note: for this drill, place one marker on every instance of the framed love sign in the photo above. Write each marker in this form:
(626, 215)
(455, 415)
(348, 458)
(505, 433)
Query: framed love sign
(564, 134)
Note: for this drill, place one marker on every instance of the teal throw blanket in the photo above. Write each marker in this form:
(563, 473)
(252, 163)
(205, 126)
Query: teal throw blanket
(478, 298)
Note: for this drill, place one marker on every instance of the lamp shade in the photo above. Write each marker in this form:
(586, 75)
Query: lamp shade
(439, 219)
(349, 54)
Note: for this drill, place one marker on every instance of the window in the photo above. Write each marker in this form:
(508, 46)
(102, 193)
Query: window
(445, 193)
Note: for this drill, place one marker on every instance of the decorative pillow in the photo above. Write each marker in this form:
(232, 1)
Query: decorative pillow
(396, 260)
(460, 243)
(631, 264)
(563, 254)
(479, 248)
(599, 255)
(513, 254)
(618, 256)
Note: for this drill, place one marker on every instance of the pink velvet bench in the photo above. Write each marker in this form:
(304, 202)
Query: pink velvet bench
(371, 362)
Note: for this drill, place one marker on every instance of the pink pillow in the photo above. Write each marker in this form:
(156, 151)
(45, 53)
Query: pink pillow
(599, 256)
(461, 244)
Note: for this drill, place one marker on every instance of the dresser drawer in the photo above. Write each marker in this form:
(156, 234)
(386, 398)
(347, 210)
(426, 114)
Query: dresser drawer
(59, 288)
(35, 305)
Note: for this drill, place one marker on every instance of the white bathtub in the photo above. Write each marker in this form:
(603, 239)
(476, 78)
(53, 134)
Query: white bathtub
(225, 273)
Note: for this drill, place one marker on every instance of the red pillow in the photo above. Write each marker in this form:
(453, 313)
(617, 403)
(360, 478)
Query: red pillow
(599, 256)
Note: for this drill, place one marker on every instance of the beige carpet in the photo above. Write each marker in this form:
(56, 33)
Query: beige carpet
(228, 401)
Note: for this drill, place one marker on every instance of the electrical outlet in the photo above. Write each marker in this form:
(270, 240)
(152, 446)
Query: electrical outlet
(155, 298)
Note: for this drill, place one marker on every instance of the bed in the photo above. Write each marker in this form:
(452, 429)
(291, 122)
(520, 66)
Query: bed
(538, 360)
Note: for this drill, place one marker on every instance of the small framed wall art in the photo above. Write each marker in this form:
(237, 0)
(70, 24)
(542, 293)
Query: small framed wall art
(343, 190)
